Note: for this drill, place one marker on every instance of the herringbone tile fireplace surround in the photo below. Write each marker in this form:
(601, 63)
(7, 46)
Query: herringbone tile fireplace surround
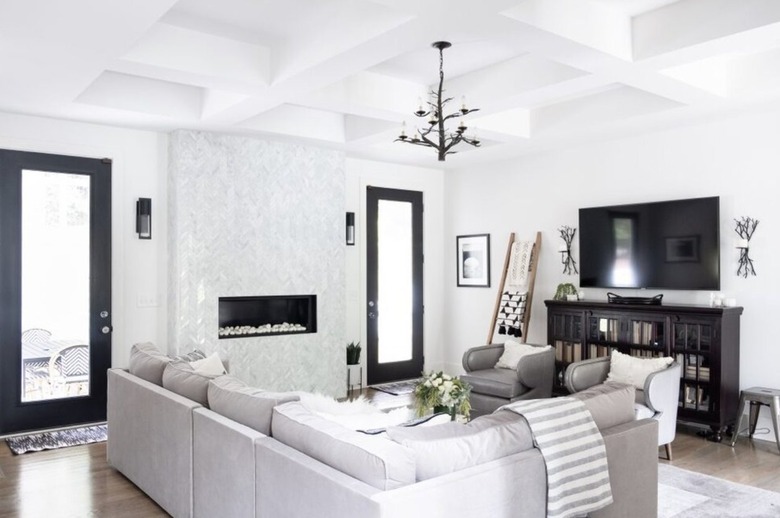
(251, 218)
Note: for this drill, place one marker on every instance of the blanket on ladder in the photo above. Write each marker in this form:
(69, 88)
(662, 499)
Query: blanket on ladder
(573, 451)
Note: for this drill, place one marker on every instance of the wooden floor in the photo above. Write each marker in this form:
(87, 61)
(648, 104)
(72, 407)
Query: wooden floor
(77, 481)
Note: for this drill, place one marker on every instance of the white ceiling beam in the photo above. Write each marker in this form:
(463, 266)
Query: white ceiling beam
(690, 22)
(176, 48)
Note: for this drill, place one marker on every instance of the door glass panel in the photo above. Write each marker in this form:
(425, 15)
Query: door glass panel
(55, 285)
(394, 281)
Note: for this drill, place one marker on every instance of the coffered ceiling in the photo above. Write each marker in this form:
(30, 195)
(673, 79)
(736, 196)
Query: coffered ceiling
(346, 73)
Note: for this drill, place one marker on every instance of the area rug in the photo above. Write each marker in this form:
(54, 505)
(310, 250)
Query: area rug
(397, 388)
(58, 439)
(685, 494)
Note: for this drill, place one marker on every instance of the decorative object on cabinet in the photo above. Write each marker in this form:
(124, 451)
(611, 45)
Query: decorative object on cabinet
(440, 140)
(473, 258)
(745, 226)
(512, 311)
(564, 290)
(569, 264)
(704, 340)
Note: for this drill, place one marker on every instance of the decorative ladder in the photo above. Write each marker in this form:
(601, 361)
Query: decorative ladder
(531, 282)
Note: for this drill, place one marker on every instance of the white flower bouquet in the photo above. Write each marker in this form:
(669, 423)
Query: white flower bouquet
(443, 393)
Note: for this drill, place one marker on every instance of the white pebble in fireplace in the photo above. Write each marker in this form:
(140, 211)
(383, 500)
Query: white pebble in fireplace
(262, 329)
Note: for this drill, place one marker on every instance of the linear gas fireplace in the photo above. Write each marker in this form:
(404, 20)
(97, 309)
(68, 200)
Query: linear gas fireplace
(241, 317)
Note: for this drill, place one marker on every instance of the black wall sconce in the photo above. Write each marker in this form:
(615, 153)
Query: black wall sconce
(569, 264)
(745, 227)
(350, 228)
(143, 218)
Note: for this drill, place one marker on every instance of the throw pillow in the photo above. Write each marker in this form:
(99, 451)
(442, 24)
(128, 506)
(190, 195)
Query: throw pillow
(624, 368)
(250, 406)
(147, 362)
(514, 351)
(195, 354)
(209, 366)
(181, 378)
(453, 446)
(610, 404)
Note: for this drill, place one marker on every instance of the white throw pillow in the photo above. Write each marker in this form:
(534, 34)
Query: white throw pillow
(209, 366)
(513, 351)
(624, 368)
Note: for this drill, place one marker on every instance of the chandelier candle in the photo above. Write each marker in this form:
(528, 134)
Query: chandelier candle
(436, 135)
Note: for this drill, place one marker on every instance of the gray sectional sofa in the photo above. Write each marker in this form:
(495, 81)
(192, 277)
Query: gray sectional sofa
(205, 462)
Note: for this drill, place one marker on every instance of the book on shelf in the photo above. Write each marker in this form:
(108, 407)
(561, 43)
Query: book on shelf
(704, 373)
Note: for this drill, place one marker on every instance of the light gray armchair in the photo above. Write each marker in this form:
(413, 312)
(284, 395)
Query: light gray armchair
(493, 387)
(658, 400)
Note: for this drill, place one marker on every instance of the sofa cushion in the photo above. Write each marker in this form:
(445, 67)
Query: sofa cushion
(210, 365)
(147, 362)
(624, 368)
(495, 382)
(514, 352)
(372, 459)
(247, 405)
(181, 378)
(453, 446)
(610, 404)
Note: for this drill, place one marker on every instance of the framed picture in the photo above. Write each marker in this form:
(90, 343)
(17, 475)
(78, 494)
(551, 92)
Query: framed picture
(473, 257)
(682, 249)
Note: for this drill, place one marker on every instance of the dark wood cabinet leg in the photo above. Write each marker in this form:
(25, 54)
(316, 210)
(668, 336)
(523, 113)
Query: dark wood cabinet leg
(717, 434)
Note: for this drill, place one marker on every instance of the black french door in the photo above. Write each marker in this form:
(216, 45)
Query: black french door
(55, 290)
(394, 316)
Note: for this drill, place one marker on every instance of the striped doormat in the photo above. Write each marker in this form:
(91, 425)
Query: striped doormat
(57, 439)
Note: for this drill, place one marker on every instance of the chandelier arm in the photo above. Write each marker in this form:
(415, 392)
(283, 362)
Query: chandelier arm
(425, 139)
(417, 143)
(455, 140)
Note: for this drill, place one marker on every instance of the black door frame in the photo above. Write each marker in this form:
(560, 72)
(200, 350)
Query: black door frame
(16, 416)
(376, 372)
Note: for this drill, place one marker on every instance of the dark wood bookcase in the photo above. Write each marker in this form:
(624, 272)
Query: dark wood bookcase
(703, 339)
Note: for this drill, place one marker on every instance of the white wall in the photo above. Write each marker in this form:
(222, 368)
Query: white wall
(361, 174)
(139, 170)
(737, 159)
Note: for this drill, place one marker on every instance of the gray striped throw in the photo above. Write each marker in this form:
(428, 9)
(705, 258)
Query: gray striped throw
(573, 451)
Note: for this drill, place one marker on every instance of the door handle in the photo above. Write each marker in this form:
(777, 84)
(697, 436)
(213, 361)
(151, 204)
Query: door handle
(371, 315)
(106, 329)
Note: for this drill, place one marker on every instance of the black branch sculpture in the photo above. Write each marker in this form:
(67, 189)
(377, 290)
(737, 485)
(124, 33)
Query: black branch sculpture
(569, 264)
(745, 226)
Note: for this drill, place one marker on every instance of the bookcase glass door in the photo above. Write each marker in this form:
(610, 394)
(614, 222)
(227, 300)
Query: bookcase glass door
(566, 331)
(692, 349)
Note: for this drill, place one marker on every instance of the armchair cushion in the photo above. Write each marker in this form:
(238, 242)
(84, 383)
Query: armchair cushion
(514, 352)
(495, 382)
(634, 371)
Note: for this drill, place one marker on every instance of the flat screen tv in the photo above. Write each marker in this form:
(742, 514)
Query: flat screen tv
(667, 244)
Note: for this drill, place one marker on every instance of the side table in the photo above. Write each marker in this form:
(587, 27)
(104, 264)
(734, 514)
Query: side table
(758, 397)
(354, 377)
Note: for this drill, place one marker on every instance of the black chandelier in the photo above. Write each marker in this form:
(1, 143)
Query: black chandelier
(436, 135)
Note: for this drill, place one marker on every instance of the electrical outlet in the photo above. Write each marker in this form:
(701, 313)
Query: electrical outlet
(147, 301)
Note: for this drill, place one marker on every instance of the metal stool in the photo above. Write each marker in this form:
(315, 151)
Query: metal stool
(758, 396)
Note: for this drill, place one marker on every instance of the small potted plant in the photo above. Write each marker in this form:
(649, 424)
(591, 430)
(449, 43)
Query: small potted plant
(353, 353)
(565, 291)
(442, 393)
